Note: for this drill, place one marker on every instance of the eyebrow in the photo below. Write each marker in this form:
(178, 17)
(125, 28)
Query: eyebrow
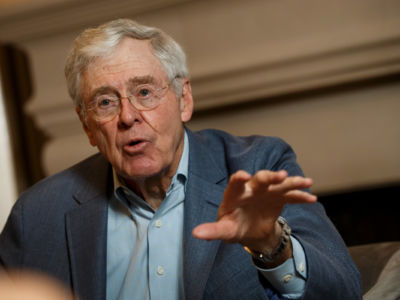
(132, 82)
(141, 80)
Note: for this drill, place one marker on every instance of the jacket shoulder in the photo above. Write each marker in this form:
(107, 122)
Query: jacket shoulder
(250, 153)
(63, 184)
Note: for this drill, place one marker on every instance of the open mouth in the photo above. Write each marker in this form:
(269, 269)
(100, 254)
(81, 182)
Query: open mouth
(134, 146)
(134, 143)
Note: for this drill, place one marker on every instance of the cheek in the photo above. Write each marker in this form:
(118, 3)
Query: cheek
(163, 120)
(104, 137)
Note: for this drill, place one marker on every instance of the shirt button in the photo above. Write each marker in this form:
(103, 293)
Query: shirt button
(160, 270)
(301, 267)
(158, 223)
(287, 278)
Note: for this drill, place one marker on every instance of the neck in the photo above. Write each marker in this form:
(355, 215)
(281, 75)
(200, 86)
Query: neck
(154, 188)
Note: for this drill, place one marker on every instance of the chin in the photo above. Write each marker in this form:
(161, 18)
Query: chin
(138, 172)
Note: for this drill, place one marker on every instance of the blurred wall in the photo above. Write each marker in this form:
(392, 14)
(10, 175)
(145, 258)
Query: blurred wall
(8, 185)
(321, 74)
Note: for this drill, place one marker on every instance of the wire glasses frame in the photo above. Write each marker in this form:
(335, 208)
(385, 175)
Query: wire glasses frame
(105, 106)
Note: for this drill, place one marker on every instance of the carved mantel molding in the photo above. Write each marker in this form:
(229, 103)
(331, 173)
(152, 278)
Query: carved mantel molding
(40, 19)
(289, 75)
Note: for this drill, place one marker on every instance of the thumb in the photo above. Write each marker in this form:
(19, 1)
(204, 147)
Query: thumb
(221, 230)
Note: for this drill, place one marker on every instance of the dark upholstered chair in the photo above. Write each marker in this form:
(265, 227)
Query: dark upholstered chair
(379, 265)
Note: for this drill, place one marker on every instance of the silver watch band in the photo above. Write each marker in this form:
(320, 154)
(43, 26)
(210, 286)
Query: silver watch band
(273, 254)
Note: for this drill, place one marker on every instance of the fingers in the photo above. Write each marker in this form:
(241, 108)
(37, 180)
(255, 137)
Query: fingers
(262, 179)
(235, 188)
(291, 183)
(291, 189)
(222, 230)
(278, 183)
(236, 183)
(297, 196)
(276, 187)
(243, 186)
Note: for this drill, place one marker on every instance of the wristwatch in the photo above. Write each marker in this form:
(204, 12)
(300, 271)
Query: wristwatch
(272, 254)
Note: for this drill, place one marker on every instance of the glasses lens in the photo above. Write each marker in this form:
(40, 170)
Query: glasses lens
(147, 96)
(104, 106)
(144, 97)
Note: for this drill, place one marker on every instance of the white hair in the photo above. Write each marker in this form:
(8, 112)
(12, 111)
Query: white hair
(101, 41)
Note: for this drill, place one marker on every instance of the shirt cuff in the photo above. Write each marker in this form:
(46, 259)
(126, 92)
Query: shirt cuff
(289, 278)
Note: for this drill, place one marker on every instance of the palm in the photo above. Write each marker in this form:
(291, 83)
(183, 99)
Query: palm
(251, 206)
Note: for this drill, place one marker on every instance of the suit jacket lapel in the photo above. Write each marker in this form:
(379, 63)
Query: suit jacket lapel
(86, 228)
(204, 192)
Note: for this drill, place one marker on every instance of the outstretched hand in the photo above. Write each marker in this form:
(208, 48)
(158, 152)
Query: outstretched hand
(251, 206)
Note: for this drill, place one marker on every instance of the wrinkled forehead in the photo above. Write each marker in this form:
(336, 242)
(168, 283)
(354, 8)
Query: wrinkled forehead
(130, 59)
(129, 55)
(103, 68)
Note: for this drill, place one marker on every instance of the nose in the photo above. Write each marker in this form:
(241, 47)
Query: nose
(129, 114)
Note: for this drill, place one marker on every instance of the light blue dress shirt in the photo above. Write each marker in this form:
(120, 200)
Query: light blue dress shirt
(290, 277)
(145, 247)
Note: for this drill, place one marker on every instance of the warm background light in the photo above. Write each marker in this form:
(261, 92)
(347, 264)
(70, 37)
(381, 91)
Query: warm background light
(324, 75)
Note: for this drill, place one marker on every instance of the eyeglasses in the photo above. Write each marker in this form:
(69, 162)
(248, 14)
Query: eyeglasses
(106, 106)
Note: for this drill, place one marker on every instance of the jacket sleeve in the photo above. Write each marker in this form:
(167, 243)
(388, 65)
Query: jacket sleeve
(331, 271)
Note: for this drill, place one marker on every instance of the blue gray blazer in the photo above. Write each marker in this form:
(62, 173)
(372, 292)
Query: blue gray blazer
(59, 226)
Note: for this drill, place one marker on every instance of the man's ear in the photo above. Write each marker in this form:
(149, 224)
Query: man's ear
(85, 127)
(186, 101)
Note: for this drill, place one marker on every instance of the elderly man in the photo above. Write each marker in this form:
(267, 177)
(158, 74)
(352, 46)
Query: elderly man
(165, 213)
